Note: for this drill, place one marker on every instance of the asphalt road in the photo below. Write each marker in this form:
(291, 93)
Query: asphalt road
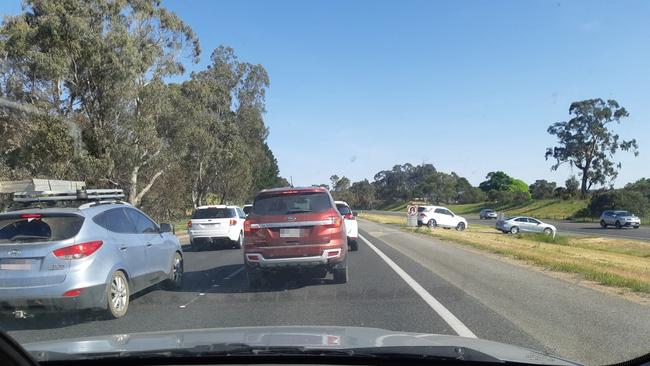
(563, 227)
(492, 298)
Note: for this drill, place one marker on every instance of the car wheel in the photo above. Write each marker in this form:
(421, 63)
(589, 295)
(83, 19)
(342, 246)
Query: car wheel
(240, 241)
(341, 274)
(432, 223)
(603, 224)
(354, 246)
(254, 278)
(514, 230)
(618, 225)
(548, 231)
(176, 276)
(460, 226)
(117, 295)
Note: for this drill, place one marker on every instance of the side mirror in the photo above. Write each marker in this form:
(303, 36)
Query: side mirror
(166, 228)
(355, 213)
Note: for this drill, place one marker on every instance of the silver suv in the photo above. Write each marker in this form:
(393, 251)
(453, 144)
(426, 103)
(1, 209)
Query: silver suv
(93, 257)
(619, 219)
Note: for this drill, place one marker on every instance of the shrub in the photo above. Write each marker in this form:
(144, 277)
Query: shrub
(620, 199)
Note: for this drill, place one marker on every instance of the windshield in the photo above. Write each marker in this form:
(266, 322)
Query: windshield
(460, 178)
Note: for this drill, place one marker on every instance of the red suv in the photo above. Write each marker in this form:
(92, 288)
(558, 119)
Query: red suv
(295, 228)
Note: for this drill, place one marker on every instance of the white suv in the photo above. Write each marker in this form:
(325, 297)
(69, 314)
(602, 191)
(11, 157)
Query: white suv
(433, 216)
(351, 226)
(212, 225)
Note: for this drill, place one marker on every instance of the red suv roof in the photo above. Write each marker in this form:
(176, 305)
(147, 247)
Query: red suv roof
(293, 190)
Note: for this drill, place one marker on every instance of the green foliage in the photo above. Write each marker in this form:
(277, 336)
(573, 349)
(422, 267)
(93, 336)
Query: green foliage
(542, 189)
(571, 186)
(642, 185)
(83, 95)
(620, 199)
(587, 143)
(502, 188)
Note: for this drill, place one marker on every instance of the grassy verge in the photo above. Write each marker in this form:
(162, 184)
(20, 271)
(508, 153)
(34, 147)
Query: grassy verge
(613, 262)
(180, 226)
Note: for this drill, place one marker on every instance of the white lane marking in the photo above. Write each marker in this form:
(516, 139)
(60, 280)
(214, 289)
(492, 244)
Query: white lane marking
(234, 273)
(440, 309)
(191, 301)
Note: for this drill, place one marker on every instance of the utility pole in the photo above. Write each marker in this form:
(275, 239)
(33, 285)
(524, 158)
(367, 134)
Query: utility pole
(291, 179)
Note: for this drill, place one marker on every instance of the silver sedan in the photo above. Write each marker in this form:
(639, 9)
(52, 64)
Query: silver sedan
(518, 224)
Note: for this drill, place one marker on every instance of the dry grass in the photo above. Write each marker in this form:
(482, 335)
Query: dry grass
(613, 262)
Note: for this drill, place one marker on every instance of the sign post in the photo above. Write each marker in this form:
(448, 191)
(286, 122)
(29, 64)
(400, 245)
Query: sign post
(412, 216)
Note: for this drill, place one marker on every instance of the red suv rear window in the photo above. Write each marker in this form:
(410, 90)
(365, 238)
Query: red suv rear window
(286, 204)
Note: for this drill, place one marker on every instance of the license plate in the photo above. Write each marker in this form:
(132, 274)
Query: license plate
(17, 265)
(290, 233)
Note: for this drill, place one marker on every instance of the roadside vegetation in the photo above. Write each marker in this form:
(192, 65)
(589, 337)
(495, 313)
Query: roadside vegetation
(613, 262)
(97, 91)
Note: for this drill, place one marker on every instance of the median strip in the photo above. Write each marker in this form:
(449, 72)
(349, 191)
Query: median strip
(612, 262)
(440, 309)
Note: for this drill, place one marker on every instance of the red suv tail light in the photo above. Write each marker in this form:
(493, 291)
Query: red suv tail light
(189, 223)
(249, 227)
(233, 222)
(333, 222)
(78, 251)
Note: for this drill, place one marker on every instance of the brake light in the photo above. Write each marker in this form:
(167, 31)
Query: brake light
(249, 227)
(72, 293)
(78, 251)
(31, 216)
(189, 223)
(233, 222)
(348, 216)
(333, 222)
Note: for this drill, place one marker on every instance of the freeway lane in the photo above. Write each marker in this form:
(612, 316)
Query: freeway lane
(563, 227)
(495, 300)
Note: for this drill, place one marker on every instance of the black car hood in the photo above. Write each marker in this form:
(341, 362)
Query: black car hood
(283, 336)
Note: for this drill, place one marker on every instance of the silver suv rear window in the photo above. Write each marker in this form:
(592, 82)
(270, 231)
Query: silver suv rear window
(286, 204)
(18, 228)
(214, 213)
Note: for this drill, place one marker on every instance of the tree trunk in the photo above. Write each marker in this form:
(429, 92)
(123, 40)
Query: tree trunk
(146, 189)
(583, 187)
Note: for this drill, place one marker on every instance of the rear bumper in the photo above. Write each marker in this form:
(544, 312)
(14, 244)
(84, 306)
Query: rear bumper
(232, 234)
(329, 258)
(46, 299)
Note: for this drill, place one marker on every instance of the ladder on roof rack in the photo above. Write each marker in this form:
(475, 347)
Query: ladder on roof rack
(40, 185)
(80, 195)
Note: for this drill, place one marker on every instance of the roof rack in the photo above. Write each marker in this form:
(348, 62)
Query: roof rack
(77, 195)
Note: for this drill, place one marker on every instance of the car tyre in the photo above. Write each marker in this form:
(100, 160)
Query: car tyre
(117, 295)
(175, 279)
(618, 225)
(460, 226)
(548, 231)
(254, 278)
(354, 246)
(514, 230)
(239, 243)
(603, 224)
(341, 274)
(431, 223)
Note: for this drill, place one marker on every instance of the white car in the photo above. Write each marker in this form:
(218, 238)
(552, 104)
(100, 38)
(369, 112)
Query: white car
(351, 225)
(433, 216)
(214, 225)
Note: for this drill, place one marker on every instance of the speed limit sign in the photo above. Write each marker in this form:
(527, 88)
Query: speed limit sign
(411, 210)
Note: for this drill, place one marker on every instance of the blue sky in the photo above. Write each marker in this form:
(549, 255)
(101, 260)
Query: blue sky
(469, 86)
